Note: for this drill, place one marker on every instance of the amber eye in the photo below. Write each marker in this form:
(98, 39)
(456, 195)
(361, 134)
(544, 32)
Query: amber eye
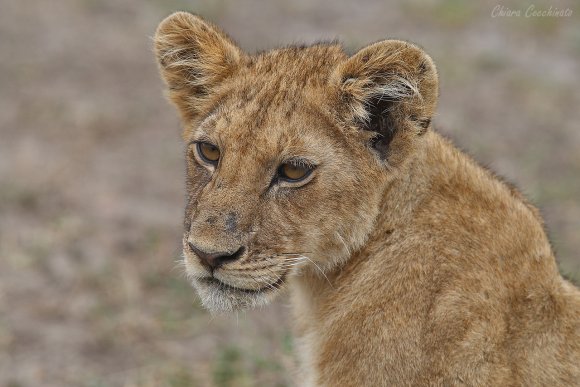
(293, 172)
(208, 152)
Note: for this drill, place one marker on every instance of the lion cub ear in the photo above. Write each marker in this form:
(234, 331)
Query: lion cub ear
(194, 57)
(390, 89)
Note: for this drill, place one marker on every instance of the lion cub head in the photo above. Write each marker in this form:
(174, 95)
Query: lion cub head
(288, 152)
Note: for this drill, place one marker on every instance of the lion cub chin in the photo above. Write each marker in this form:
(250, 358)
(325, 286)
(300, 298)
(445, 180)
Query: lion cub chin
(319, 172)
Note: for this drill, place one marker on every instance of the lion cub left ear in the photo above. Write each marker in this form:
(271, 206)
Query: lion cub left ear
(389, 89)
(194, 58)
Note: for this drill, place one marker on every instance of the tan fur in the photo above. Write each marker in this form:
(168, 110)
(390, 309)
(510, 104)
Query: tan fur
(407, 262)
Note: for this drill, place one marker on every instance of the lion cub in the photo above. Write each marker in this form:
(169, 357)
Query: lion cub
(319, 172)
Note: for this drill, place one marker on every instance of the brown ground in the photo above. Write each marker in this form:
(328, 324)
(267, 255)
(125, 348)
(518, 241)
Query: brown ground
(91, 172)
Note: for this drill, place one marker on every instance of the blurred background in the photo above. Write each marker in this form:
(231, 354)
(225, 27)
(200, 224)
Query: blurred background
(91, 188)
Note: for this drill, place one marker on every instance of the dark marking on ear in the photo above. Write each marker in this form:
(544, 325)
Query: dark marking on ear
(382, 123)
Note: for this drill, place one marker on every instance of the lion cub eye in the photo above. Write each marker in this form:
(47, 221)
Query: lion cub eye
(292, 172)
(208, 153)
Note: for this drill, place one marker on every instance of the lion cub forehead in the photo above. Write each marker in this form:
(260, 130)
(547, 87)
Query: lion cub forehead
(276, 103)
(304, 134)
(293, 61)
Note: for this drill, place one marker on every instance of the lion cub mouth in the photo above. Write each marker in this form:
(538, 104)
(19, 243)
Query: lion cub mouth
(222, 286)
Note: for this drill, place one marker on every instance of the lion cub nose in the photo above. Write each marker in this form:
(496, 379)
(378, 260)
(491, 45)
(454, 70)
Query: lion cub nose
(215, 260)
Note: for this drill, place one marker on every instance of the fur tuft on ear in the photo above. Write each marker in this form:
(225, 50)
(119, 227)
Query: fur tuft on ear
(194, 57)
(390, 89)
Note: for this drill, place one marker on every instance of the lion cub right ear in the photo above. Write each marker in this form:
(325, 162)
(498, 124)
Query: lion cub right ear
(194, 57)
(388, 89)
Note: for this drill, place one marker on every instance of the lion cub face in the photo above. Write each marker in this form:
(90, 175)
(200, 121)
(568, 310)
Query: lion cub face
(288, 152)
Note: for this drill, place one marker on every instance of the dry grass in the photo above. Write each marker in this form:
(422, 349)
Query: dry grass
(91, 173)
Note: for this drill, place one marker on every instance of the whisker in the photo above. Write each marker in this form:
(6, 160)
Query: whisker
(178, 266)
(289, 262)
(320, 270)
(268, 284)
(341, 239)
